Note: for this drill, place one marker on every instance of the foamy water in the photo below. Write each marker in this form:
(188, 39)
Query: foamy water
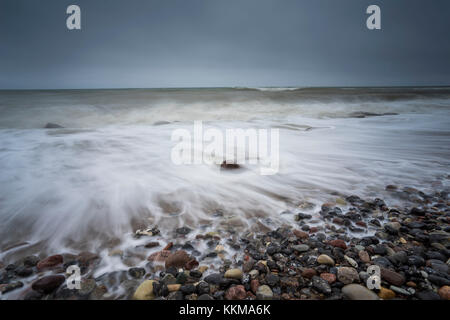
(109, 171)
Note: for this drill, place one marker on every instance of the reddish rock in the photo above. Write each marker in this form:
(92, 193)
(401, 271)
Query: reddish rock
(159, 256)
(251, 295)
(87, 258)
(48, 284)
(254, 284)
(50, 262)
(168, 246)
(444, 292)
(227, 165)
(411, 284)
(338, 243)
(392, 277)
(301, 234)
(191, 264)
(236, 293)
(309, 273)
(361, 224)
(152, 244)
(329, 277)
(313, 230)
(177, 259)
(364, 256)
(338, 220)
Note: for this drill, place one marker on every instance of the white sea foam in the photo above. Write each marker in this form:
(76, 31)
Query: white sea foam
(109, 170)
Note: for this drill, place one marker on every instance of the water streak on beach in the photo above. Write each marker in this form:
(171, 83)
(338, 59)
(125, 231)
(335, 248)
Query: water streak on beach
(109, 172)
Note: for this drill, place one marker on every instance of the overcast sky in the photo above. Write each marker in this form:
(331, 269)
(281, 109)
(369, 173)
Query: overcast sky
(214, 43)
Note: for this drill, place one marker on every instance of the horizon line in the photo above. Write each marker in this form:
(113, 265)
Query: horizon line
(226, 87)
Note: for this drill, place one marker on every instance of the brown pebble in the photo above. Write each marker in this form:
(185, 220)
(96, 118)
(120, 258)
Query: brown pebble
(168, 246)
(444, 292)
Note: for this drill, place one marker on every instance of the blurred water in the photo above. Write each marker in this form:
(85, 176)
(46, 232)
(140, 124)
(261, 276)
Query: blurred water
(109, 170)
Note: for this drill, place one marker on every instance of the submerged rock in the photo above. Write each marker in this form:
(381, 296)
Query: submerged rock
(51, 125)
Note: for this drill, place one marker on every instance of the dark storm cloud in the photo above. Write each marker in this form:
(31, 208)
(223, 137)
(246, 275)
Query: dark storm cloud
(187, 43)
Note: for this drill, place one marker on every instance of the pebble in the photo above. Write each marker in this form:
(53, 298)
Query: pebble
(444, 292)
(400, 290)
(234, 274)
(326, 260)
(321, 285)
(364, 256)
(392, 277)
(50, 262)
(4, 288)
(48, 284)
(136, 272)
(351, 261)
(386, 294)
(301, 248)
(338, 243)
(177, 259)
(329, 277)
(264, 293)
(236, 293)
(145, 291)
(347, 275)
(358, 292)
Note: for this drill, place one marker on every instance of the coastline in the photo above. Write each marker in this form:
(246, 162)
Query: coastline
(297, 262)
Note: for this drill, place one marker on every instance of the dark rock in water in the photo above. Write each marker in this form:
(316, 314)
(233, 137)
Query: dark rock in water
(6, 276)
(23, 271)
(87, 286)
(136, 272)
(226, 165)
(48, 284)
(52, 126)
(183, 230)
(152, 244)
(4, 288)
(32, 295)
(363, 114)
(417, 212)
(11, 267)
(301, 216)
(30, 261)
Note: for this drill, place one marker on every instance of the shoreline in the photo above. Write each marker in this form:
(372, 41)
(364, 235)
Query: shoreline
(299, 262)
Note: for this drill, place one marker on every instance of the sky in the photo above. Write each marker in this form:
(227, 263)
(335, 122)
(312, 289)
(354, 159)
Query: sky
(223, 43)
